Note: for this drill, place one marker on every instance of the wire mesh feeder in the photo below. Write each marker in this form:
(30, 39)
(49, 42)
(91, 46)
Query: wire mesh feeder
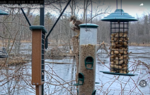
(119, 47)
(119, 25)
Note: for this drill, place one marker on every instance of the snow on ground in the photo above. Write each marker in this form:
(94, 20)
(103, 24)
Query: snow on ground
(109, 84)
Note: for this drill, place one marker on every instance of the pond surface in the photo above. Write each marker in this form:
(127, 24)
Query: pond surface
(58, 77)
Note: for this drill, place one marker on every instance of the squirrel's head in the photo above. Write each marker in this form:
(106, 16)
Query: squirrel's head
(73, 18)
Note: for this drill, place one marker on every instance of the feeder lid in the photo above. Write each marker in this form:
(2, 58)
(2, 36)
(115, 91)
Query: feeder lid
(3, 13)
(88, 25)
(119, 15)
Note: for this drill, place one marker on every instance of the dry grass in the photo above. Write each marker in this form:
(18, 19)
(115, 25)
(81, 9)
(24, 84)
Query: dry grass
(26, 41)
(12, 61)
(142, 44)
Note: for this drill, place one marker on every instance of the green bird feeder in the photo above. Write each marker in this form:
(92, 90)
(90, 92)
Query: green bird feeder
(94, 92)
(3, 13)
(4, 53)
(119, 27)
(89, 61)
(80, 79)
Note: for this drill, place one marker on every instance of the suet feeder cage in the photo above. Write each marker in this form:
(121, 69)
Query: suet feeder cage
(119, 28)
(38, 54)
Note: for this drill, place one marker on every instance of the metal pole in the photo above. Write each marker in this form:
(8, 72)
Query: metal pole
(42, 15)
(91, 10)
(46, 40)
(26, 17)
(116, 4)
(43, 37)
(121, 4)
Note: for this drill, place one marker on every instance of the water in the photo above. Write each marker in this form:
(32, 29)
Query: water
(59, 80)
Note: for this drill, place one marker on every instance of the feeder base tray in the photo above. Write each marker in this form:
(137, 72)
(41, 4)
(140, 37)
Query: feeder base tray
(97, 83)
(106, 72)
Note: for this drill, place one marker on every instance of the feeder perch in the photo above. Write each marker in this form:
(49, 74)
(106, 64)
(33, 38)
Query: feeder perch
(97, 83)
(94, 92)
(80, 79)
(119, 27)
(89, 61)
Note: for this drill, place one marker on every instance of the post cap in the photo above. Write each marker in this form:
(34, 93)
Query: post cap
(38, 27)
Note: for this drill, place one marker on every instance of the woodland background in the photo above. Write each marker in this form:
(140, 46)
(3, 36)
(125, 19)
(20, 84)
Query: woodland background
(15, 36)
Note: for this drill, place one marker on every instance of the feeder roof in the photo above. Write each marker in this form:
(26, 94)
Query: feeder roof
(88, 25)
(3, 13)
(119, 15)
(38, 27)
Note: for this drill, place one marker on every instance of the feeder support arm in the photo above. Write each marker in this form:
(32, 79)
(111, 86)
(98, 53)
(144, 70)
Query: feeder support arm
(25, 16)
(46, 39)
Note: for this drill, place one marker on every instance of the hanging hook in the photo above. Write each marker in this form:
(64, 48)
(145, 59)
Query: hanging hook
(116, 4)
(121, 4)
(121, 7)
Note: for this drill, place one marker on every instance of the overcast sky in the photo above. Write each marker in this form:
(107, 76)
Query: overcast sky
(132, 7)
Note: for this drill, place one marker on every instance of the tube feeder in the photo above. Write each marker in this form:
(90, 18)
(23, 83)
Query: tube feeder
(87, 57)
(119, 27)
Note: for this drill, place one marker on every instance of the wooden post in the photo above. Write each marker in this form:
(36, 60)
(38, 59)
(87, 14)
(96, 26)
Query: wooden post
(36, 57)
(38, 89)
(38, 40)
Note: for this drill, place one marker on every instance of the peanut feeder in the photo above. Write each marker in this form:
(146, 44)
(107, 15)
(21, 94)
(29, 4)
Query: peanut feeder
(119, 26)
